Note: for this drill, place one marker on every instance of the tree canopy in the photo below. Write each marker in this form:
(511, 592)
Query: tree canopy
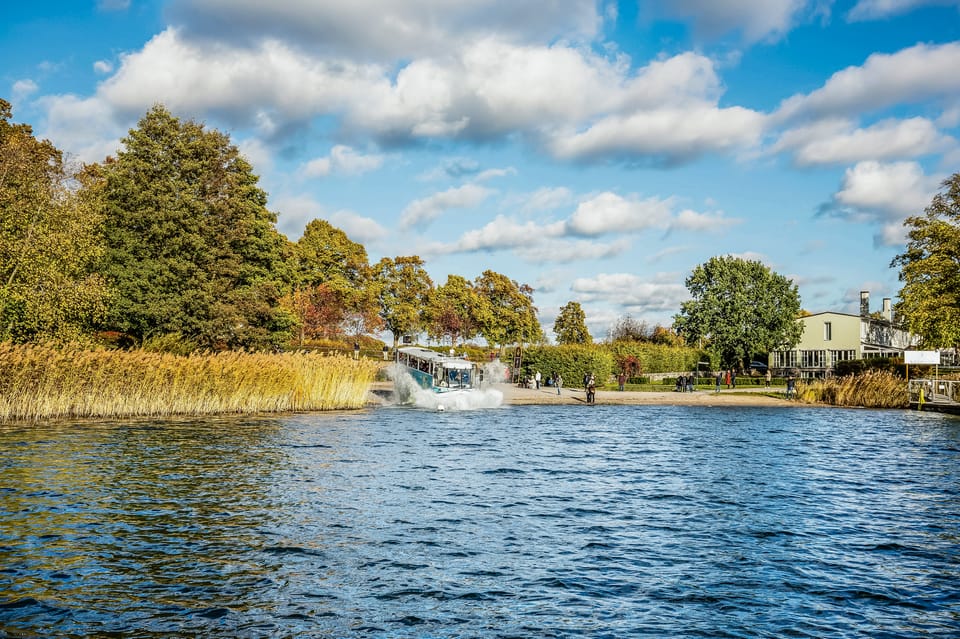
(739, 307)
(334, 290)
(403, 289)
(190, 245)
(930, 270)
(454, 311)
(570, 327)
(509, 315)
(49, 245)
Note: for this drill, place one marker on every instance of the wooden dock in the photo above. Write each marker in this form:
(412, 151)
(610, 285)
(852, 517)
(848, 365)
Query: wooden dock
(937, 395)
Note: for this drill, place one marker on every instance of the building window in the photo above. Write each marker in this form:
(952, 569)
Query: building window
(827, 331)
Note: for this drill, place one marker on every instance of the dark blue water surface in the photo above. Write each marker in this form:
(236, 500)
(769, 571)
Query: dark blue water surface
(563, 521)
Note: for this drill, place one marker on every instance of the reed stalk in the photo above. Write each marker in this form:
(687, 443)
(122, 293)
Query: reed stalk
(42, 382)
(872, 389)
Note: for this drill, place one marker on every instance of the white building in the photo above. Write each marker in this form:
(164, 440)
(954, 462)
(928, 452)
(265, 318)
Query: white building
(831, 337)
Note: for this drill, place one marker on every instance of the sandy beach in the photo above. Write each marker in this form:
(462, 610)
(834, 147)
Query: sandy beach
(514, 395)
(752, 397)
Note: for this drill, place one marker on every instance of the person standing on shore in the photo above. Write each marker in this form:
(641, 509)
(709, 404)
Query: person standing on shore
(766, 378)
(728, 378)
(559, 379)
(536, 378)
(621, 380)
(719, 380)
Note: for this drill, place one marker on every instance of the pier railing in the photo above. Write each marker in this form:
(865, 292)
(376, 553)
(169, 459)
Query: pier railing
(934, 391)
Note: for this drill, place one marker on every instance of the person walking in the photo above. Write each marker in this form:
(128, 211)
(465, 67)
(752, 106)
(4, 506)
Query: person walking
(766, 378)
(719, 380)
(536, 378)
(733, 379)
(727, 376)
(559, 379)
(621, 380)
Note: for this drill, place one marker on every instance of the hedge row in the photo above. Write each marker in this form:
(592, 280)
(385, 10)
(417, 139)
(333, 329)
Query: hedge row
(607, 360)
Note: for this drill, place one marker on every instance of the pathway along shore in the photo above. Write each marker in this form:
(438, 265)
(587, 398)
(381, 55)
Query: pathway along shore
(514, 395)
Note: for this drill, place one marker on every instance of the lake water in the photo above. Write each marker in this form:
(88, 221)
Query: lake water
(529, 521)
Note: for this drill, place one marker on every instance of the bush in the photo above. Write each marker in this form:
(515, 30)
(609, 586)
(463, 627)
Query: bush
(658, 358)
(572, 361)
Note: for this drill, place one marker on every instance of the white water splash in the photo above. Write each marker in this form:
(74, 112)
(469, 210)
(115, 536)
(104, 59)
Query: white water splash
(408, 392)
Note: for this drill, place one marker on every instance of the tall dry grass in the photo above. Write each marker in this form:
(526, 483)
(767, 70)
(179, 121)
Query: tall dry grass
(872, 389)
(42, 382)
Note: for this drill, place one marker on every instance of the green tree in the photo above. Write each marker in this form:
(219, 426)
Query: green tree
(930, 270)
(508, 315)
(739, 307)
(403, 290)
(453, 311)
(336, 290)
(191, 246)
(570, 327)
(49, 246)
(628, 329)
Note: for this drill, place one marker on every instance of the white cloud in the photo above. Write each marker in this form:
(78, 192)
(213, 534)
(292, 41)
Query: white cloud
(86, 128)
(884, 193)
(23, 89)
(342, 160)
(579, 104)
(562, 251)
(611, 213)
(103, 66)
(545, 199)
(357, 227)
(667, 135)
(423, 211)
(890, 190)
(688, 220)
(755, 20)
(912, 75)
(878, 9)
(296, 211)
(501, 233)
(385, 29)
(836, 141)
(637, 294)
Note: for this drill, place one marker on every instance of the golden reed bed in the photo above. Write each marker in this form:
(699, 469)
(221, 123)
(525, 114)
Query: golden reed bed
(43, 382)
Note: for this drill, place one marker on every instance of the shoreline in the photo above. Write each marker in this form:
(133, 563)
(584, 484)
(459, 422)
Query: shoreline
(515, 396)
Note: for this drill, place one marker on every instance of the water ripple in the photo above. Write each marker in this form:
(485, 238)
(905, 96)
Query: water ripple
(516, 522)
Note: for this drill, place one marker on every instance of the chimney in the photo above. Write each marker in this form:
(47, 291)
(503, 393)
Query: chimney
(887, 311)
(864, 303)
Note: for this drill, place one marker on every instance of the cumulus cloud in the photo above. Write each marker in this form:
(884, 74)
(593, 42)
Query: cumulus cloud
(576, 103)
(634, 293)
(666, 135)
(342, 160)
(915, 74)
(424, 211)
(23, 89)
(884, 193)
(103, 66)
(384, 29)
(296, 211)
(85, 127)
(879, 9)
(754, 20)
(549, 198)
(357, 227)
(501, 233)
(609, 212)
(836, 141)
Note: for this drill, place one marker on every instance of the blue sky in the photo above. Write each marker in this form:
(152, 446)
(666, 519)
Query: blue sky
(597, 151)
